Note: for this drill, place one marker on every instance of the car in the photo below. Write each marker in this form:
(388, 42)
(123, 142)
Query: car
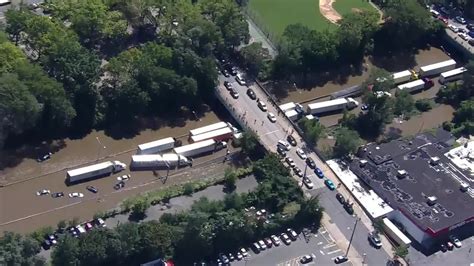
(223, 258)
(292, 233)
(285, 238)
(281, 151)
(92, 189)
(256, 248)
(471, 42)
(374, 240)
(268, 242)
(251, 94)
(80, 229)
(329, 184)
(76, 195)
(455, 241)
(262, 245)
(453, 28)
(119, 185)
(240, 79)
(233, 70)
(244, 252)
(44, 157)
(275, 240)
(228, 85)
(43, 192)
(234, 93)
(471, 34)
(443, 19)
(306, 259)
(464, 36)
(301, 154)
(284, 145)
(239, 256)
(308, 183)
(88, 226)
(470, 26)
(53, 239)
(445, 11)
(57, 195)
(462, 30)
(225, 73)
(271, 117)
(434, 13)
(310, 162)
(298, 171)
(364, 107)
(318, 172)
(460, 20)
(291, 140)
(100, 222)
(231, 257)
(290, 162)
(340, 198)
(46, 244)
(261, 105)
(443, 248)
(340, 259)
(123, 177)
(348, 207)
(449, 245)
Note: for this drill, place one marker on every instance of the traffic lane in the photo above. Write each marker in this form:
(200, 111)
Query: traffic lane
(321, 245)
(346, 223)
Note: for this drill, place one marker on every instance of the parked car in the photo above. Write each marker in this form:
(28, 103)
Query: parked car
(234, 93)
(461, 20)
(464, 36)
(340, 198)
(301, 154)
(239, 256)
(231, 257)
(455, 241)
(57, 195)
(88, 226)
(261, 105)
(310, 162)
(374, 239)
(285, 238)
(284, 144)
(124, 177)
(290, 162)
(470, 26)
(240, 79)
(306, 259)
(449, 245)
(298, 171)
(223, 258)
(453, 28)
(340, 259)
(318, 172)
(275, 240)
(271, 117)
(443, 248)
(228, 85)
(244, 252)
(251, 94)
(100, 222)
(225, 73)
(119, 185)
(80, 229)
(262, 245)
(268, 242)
(348, 207)
(43, 192)
(233, 70)
(292, 233)
(256, 248)
(443, 19)
(92, 189)
(329, 184)
(291, 140)
(44, 157)
(281, 151)
(364, 107)
(308, 183)
(76, 195)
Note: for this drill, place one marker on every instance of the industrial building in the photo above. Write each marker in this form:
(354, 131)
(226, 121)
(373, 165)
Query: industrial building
(426, 181)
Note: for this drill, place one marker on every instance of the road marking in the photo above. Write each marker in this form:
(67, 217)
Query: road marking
(40, 213)
(271, 132)
(320, 243)
(334, 251)
(322, 252)
(329, 246)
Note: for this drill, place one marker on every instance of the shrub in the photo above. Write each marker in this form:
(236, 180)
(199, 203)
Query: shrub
(423, 105)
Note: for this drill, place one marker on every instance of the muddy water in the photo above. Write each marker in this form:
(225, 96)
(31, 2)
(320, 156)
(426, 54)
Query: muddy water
(72, 152)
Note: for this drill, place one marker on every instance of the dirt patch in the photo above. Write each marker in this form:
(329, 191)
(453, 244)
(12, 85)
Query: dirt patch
(327, 10)
(356, 10)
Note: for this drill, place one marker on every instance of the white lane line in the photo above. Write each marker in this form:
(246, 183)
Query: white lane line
(40, 213)
(322, 252)
(329, 246)
(320, 243)
(334, 251)
(271, 132)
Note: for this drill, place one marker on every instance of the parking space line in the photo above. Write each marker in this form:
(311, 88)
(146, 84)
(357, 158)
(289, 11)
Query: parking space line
(334, 251)
(329, 246)
(271, 132)
(322, 252)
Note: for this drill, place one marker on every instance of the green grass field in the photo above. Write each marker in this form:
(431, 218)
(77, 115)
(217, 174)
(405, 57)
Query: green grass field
(275, 15)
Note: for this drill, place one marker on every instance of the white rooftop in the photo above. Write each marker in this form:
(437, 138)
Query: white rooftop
(463, 157)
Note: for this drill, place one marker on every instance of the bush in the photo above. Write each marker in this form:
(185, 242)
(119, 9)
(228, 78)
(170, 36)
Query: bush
(447, 125)
(423, 105)
(188, 189)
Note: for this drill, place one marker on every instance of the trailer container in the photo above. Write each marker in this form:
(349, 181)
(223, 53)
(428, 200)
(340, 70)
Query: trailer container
(94, 171)
(332, 105)
(435, 69)
(156, 146)
(416, 85)
(208, 128)
(395, 234)
(292, 115)
(200, 147)
(401, 77)
(217, 135)
(157, 160)
(452, 75)
(353, 91)
(287, 106)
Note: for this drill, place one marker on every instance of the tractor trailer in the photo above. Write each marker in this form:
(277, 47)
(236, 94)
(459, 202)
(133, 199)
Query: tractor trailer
(94, 171)
(200, 147)
(435, 69)
(452, 75)
(401, 77)
(217, 135)
(416, 85)
(208, 128)
(332, 105)
(156, 146)
(170, 160)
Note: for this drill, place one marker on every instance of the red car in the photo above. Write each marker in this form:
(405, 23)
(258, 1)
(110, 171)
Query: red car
(443, 19)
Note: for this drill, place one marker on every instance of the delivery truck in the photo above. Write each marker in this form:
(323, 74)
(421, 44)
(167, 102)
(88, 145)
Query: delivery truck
(452, 75)
(217, 135)
(332, 105)
(208, 128)
(292, 115)
(156, 146)
(416, 85)
(153, 161)
(402, 77)
(287, 106)
(94, 171)
(435, 69)
(200, 147)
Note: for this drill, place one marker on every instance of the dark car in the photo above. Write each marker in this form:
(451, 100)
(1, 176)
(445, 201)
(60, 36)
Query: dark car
(443, 248)
(298, 172)
(92, 189)
(471, 42)
(227, 85)
(310, 163)
(225, 73)
(374, 240)
(306, 259)
(340, 259)
(46, 244)
(44, 157)
(119, 185)
(232, 70)
(281, 151)
(291, 140)
(470, 26)
(340, 198)
(348, 207)
(57, 195)
(251, 94)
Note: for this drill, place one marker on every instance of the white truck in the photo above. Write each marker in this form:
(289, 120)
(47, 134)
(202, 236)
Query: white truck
(292, 115)
(435, 69)
(217, 135)
(452, 75)
(208, 128)
(170, 160)
(416, 85)
(332, 105)
(286, 107)
(200, 147)
(94, 171)
(401, 77)
(156, 146)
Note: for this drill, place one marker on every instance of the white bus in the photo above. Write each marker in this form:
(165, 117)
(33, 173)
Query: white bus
(452, 75)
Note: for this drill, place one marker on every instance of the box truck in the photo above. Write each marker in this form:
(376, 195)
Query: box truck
(217, 135)
(332, 105)
(287, 106)
(200, 147)
(292, 115)
(94, 171)
(435, 69)
(416, 85)
(452, 75)
(402, 77)
(170, 160)
(208, 128)
(156, 146)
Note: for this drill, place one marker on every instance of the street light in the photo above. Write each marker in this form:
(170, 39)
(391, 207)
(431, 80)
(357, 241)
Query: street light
(352, 235)
(100, 146)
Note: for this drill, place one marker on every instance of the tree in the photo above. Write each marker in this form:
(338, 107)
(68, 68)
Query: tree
(249, 143)
(99, 247)
(125, 101)
(269, 166)
(403, 104)
(156, 240)
(423, 105)
(139, 209)
(310, 213)
(464, 117)
(312, 130)
(188, 189)
(254, 56)
(347, 142)
(230, 178)
(10, 56)
(372, 123)
(19, 250)
(16, 22)
(379, 80)
(400, 251)
(66, 252)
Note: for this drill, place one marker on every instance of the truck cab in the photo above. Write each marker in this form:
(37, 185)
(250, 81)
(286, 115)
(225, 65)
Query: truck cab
(119, 166)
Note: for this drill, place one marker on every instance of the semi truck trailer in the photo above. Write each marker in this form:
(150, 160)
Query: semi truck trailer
(94, 171)
(416, 85)
(292, 115)
(435, 69)
(217, 135)
(200, 147)
(402, 77)
(208, 128)
(148, 161)
(452, 75)
(156, 146)
(332, 105)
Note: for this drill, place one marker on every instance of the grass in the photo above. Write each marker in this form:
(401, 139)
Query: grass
(344, 7)
(277, 14)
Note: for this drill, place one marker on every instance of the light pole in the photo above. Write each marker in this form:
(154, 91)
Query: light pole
(101, 146)
(352, 235)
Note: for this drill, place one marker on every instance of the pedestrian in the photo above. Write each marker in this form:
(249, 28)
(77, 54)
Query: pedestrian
(262, 123)
(255, 121)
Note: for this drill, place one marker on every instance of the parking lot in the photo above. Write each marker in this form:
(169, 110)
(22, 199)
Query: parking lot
(320, 245)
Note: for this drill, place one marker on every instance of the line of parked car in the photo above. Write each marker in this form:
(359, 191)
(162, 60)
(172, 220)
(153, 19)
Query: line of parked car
(75, 231)
(443, 14)
(449, 245)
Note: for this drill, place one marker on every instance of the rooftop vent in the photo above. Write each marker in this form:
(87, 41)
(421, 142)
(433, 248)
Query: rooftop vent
(363, 163)
(401, 174)
(432, 200)
(434, 160)
(464, 186)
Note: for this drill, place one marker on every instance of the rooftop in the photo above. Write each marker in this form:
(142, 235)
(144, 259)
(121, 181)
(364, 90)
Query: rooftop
(416, 177)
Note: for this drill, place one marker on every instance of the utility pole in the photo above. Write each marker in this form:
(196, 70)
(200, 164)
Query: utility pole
(352, 236)
(101, 146)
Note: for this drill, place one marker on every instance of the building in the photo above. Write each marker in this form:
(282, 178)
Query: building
(432, 198)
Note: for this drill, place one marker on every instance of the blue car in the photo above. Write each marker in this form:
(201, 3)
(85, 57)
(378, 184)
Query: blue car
(471, 33)
(329, 184)
(318, 172)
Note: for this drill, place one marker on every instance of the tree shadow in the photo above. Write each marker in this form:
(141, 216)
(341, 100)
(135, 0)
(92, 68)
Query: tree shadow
(393, 133)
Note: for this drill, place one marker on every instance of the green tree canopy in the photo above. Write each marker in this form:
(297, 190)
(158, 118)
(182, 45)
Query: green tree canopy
(312, 130)
(347, 142)
(16, 249)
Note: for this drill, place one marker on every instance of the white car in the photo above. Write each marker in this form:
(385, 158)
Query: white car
(275, 240)
(244, 252)
(262, 245)
(292, 233)
(290, 162)
(286, 239)
(123, 177)
(240, 79)
(43, 192)
(271, 117)
(464, 36)
(308, 183)
(455, 241)
(301, 154)
(453, 28)
(76, 195)
(261, 105)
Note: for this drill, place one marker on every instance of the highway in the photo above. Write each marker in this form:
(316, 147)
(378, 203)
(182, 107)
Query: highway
(250, 116)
